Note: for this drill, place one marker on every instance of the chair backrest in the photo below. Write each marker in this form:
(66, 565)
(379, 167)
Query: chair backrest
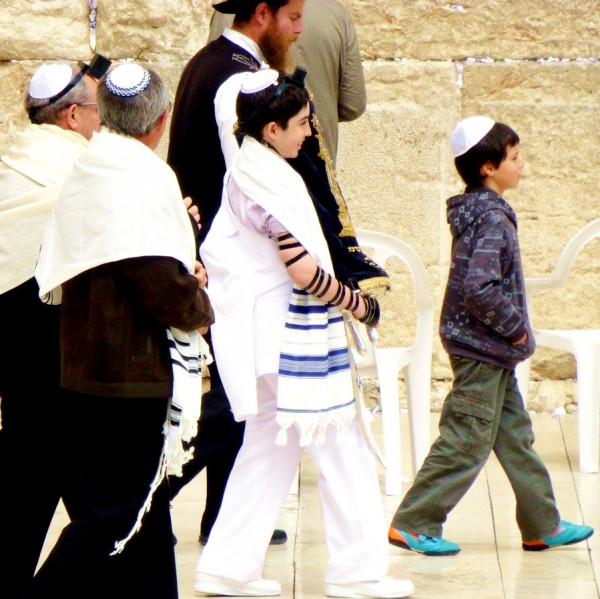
(564, 263)
(567, 257)
(384, 247)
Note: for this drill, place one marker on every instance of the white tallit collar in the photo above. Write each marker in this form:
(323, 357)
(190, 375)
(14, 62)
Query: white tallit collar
(31, 174)
(265, 177)
(120, 201)
(44, 153)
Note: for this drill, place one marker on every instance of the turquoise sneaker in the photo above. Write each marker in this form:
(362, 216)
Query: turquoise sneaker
(421, 543)
(566, 533)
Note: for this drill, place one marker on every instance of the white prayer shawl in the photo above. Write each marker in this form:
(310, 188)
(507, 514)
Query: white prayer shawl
(31, 175)
(122, 201)
(314, 386)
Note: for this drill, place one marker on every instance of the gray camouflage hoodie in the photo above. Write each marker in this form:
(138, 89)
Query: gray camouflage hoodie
(484, 310)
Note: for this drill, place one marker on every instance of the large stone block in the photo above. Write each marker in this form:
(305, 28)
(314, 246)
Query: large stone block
(552, 395)
(48, 30)
(440, 30)
(14, 80)
(170, 73)
(393, 162)
(395, 169)
(152, 31)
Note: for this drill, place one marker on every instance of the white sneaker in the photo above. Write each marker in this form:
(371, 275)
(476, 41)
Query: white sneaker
(386, 588)
(209, 585)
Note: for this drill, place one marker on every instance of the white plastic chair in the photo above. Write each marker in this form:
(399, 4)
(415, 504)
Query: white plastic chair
(584, 344)
(385, 363)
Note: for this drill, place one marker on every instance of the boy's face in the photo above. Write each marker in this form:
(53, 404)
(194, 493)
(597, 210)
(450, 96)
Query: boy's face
(508, 173)
(288, 141)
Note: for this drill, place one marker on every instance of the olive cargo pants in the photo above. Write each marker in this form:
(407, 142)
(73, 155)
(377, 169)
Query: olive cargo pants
(483, 412)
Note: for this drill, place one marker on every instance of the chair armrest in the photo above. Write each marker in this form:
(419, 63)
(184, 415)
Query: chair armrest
(542, 283)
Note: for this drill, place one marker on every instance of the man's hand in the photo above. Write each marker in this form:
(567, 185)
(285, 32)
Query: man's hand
(192, 209)
(200, 274)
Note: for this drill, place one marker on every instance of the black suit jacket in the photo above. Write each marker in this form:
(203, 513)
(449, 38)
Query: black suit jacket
(194, 146)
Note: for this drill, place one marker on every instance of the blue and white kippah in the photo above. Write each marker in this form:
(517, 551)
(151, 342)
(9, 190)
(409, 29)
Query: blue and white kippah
(127, 80)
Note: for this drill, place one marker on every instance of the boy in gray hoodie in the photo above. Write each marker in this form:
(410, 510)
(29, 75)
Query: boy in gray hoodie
(485, 330)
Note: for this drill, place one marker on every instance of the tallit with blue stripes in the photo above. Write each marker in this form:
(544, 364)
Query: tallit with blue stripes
(188, 351)
(162, 228)
(314, 387)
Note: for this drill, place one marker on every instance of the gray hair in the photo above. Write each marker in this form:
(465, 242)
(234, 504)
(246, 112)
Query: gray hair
(134, 115)
(40, 112)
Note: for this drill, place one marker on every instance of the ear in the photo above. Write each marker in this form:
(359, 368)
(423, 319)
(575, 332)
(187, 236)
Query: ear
(161, 123)
(70, 117)
(270, 131)
(164, 117)
(487, 170)
(262, 12)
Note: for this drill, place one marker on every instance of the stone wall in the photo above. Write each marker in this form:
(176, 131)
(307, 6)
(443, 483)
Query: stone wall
(428, 63)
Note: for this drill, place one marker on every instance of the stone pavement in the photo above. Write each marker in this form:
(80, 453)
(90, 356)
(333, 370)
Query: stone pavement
(491, 565)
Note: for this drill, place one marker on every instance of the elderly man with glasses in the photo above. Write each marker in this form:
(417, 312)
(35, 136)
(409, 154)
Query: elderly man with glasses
(61, 104)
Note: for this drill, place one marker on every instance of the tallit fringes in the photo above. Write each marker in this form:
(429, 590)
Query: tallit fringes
(320, 435)
(176, 462)
(310, 434)
(187, 350)
(181, 424)
(205, 354)
(158, 478)
(282, 437)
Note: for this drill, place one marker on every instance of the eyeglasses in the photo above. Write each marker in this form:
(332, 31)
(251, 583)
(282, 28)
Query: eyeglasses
(85, 103)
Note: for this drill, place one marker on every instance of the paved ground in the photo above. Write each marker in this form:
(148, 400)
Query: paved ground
(491, 565)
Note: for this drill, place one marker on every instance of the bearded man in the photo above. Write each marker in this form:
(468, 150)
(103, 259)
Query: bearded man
(201, 137)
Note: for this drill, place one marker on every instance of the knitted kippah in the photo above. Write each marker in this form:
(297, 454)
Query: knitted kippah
(127, 80)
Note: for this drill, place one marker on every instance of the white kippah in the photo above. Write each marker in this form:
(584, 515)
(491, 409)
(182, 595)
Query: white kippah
(259, 80)
(127, 80)
(468, 133)
(49, 80)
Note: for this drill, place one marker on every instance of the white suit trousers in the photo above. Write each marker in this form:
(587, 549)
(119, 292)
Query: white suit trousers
(354, 519)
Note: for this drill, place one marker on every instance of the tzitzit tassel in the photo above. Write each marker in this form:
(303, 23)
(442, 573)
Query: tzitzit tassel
(160, 475)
